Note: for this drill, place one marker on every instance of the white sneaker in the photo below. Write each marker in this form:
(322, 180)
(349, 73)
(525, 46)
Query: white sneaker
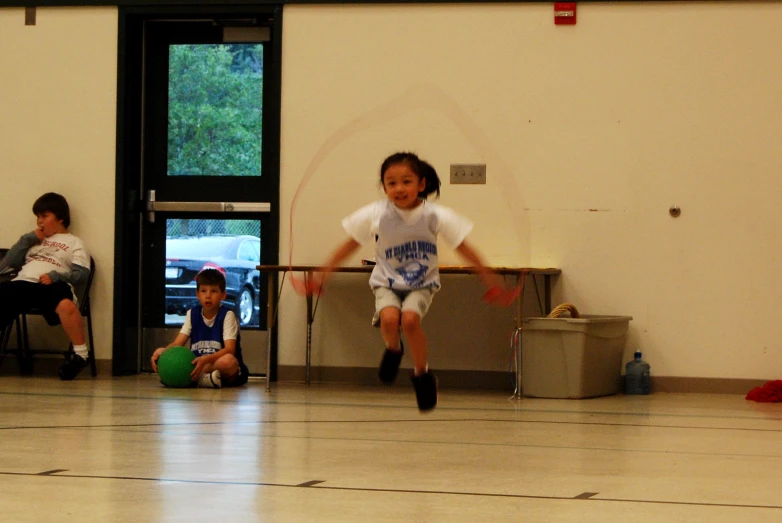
(210, 380)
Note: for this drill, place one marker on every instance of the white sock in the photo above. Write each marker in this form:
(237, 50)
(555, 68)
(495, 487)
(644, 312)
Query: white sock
(82, 350)
(417, 373)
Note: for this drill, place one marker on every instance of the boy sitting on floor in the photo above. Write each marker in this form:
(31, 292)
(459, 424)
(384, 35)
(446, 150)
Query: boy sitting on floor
(213, 332)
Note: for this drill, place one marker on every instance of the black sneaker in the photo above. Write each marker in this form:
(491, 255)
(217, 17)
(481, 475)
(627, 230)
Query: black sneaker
(72, 367)
(389, 366)
(425, 391)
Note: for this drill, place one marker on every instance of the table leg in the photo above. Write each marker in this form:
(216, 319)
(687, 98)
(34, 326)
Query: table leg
(520, 280)
(547, 292)
(310, 319)
(272, 292)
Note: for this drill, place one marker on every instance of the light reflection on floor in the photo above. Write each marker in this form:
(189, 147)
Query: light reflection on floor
(128, 449)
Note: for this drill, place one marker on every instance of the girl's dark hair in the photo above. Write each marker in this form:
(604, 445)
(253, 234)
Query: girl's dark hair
(420, 167)
(55, 204)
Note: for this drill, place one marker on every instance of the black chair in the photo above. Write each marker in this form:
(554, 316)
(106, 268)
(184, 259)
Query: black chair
(25, 353)
(5, 336)
(5, 332)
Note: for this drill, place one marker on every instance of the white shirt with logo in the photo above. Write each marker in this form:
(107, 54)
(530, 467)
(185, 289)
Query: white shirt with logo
(406, 241)
(59, 253)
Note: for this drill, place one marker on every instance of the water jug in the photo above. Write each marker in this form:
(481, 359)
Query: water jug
(637, 380)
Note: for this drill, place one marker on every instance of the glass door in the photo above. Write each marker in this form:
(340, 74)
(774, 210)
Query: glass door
(209, 185)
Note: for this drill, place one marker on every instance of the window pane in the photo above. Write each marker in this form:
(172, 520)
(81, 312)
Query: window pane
(225, 245)
(215, 106)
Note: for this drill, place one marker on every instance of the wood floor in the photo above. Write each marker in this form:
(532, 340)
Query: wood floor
(127, 449)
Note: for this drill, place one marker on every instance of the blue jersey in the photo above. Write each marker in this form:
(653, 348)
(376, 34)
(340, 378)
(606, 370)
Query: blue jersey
(206, 340)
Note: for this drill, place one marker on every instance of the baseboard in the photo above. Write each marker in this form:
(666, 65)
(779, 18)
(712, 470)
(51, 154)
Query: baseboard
(449, 379)
(704, 385)
(47, 366)
(492, 380)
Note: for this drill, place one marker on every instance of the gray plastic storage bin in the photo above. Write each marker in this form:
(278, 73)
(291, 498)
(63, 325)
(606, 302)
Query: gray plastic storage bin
(573, 357)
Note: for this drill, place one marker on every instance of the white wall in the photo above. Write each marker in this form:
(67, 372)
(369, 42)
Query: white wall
(57, 133)
(590, 133)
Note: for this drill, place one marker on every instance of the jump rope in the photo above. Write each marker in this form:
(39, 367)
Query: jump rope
(418, 97)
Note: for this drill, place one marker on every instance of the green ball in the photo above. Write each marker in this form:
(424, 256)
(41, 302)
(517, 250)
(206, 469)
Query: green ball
(174, 367)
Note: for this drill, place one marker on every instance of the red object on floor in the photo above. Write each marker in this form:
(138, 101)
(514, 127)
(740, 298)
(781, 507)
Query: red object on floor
(771, 392)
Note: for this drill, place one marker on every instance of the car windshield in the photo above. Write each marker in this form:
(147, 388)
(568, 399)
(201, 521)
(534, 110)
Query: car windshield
(200, 247)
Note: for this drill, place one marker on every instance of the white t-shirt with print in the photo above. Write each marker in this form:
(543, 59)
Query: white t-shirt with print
(59, 253)
(406, 241)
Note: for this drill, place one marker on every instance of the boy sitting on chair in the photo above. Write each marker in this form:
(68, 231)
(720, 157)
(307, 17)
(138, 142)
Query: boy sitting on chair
(49, 261)
(214, 336)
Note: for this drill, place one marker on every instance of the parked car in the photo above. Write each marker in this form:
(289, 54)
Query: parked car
(235, 256)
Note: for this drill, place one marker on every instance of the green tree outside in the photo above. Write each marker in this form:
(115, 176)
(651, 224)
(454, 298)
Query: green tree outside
(215, 95)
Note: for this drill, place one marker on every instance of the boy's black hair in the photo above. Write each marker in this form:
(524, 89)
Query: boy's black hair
(210, 277)
(420, 167)
(55, 204)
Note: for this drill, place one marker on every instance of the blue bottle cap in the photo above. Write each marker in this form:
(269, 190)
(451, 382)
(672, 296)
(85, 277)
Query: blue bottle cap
(638, 354)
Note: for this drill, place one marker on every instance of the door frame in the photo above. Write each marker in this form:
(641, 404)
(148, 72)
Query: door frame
(129, 200)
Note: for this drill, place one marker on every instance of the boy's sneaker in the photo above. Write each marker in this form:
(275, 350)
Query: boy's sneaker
(389, 366)
(425, 391)
(72, 367)
(210, 380)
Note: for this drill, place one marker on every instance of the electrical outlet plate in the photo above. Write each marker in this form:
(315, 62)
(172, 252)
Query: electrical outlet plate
(472, 173)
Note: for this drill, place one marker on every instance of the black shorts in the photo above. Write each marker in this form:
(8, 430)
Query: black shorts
(18, 297)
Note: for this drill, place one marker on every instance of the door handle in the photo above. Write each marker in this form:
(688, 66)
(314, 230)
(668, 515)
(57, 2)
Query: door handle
(157, 206)
(208, 206)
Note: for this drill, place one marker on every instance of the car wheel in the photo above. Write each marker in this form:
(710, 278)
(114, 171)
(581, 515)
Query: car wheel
(245, 307)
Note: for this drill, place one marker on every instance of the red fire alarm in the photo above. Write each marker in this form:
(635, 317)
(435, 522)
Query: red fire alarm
(564, 13)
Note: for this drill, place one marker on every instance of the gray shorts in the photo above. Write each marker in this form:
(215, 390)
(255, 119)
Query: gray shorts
(417, 301)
